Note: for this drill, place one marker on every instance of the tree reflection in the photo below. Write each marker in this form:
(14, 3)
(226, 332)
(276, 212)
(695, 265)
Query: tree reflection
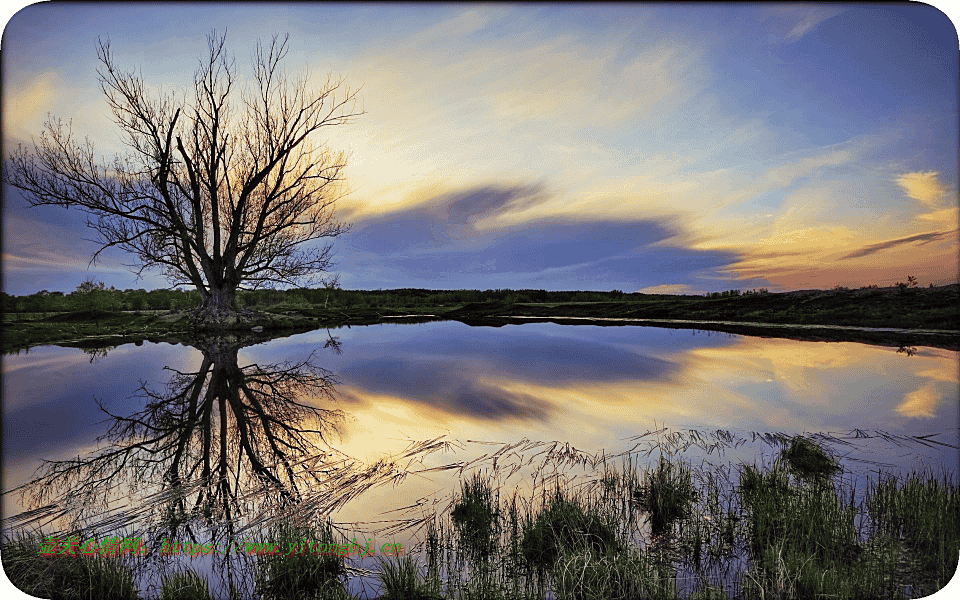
(219, 455)
(216, 444)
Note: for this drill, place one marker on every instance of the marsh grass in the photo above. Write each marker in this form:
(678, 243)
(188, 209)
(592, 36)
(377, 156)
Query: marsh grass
(652, 526)
(282, 574)
(401, 579)
(667, 495)
(65, 577)
(185, 585)
(796, 527)
(808, 460)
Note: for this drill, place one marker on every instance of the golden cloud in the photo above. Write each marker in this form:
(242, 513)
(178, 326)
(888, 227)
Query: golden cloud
(670, 288)
(25, 108)
(920, 404)
(925, 187)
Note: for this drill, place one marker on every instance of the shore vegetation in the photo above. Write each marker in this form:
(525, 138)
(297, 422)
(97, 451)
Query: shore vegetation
(796, 526)
(98, 317)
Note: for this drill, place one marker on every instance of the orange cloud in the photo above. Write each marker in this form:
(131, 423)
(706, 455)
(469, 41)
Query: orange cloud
(925, 187)
(920, 404)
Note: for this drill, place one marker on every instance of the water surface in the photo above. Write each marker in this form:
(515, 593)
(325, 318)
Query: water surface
(496, 399)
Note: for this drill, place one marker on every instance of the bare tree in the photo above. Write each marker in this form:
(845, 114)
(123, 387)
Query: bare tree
(216, 193)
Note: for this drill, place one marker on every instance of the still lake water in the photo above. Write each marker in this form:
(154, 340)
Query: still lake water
(596, 390)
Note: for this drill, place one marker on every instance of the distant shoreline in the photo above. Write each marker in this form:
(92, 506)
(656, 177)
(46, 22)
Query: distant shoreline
(886, 316)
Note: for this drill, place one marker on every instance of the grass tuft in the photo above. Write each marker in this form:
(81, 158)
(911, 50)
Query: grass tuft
(282, 574)
(667, 494)
(565, 523)
(808, 460)
(186, 585)
(65, 577)
(401, 580)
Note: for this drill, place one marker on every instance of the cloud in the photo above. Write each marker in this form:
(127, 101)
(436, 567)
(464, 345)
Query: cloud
(459, 235)
(26, 105)
(920, 404)
(670, 288)
(920, 238)
(789, 23)
(924, 187)
(463, 378)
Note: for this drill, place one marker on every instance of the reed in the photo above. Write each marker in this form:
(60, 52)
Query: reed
(65, 577)
(282, 574)
(796, 526)
(185, 585)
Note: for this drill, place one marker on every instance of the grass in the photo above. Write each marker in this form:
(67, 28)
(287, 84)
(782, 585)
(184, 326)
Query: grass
(65, 577)
(935, 308)
(793, 528)
(305, 574)
(808, 460)
(185, 585)
(401, 580)
(476, 519)
(667, 495)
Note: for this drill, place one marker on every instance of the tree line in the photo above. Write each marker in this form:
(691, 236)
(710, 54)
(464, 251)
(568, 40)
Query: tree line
(94, 296)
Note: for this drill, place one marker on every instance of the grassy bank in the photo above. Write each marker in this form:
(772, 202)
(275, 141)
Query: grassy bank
(798, 527)
(920, 309)
(97, 329)
(914, 308)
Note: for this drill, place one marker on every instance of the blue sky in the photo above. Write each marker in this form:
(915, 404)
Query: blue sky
(661, 148)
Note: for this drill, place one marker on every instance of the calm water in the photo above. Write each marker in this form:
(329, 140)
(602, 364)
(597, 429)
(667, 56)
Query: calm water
(245, 412)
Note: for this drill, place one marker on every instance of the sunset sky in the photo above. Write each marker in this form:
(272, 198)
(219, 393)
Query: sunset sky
(656, 148)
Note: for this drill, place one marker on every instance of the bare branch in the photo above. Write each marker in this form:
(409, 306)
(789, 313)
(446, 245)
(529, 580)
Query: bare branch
(214, 193)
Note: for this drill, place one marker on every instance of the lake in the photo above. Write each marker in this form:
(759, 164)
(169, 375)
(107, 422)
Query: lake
(356, 423)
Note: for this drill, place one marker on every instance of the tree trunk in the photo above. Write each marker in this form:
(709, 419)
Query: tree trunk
(221, 300)
(219, 308)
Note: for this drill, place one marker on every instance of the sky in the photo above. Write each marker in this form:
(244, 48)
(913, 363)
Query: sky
(660, 148)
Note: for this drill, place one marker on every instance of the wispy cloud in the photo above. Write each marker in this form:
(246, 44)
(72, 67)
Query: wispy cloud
(920, 239)
(924, 186)
(789, 23)
(25, 107)
(670, 288)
